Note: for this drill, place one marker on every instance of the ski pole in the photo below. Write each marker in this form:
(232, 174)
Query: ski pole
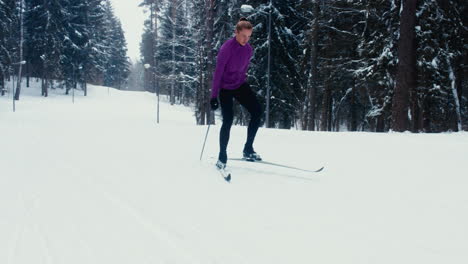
(206, 136)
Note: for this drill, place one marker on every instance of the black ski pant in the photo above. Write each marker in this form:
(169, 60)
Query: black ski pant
(248, 100)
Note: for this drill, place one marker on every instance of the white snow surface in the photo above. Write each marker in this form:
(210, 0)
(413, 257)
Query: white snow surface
(99, 181)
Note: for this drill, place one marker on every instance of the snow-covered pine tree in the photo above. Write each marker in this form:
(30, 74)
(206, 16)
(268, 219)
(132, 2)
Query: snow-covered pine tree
(197, 26)
(341, 26)
(73, 59)
(188, 76)
(208, 47)
(203, 23)
(441, 35)
(308, 71)
(47, 33)
(20, 49)
(375, 74)
(95, 49)
(173, 47)
(119, 58)
(8, 17)
(227, 14)
(116, 63)
(285, 51)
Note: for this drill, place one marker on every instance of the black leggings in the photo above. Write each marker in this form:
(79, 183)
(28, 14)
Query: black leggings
(247, 99)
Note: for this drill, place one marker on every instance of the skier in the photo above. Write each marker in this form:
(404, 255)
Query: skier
(230, 82)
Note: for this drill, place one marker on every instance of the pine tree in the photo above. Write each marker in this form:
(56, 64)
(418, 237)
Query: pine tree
(309, 67)
(173, 46)
(47, 28)
(440, 57)
(286, 88)
(116, 63)
(74, 57)
(198, 17)
(377, 61)
(95, 51)
(203, 30)
(8, 16)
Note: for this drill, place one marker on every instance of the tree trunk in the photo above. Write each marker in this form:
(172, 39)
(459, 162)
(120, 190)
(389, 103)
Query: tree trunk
(42, 85)
(326, 106)
(2, 81)
(414, 104)
(330, 112)
(174, 21)
(353, 111)
(310, 116)
(406, 76)
(455, 96)
(45, 88)
(28, 70)
(209, 50)
(380, 126)
(18, 87)
(201, 89)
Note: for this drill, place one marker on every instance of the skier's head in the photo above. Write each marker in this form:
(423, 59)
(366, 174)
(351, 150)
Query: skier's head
(243, 31)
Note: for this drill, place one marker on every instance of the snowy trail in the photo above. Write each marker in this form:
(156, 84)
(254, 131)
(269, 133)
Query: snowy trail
(100, 182)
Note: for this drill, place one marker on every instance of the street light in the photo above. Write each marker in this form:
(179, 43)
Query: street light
(148, 66)
(247, 8)
(13, 85)
(250, 9)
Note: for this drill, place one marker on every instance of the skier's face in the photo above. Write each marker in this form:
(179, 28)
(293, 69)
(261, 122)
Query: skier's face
(243, 36)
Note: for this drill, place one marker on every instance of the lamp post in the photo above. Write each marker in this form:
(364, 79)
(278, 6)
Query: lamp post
(250, 9)
(19, 83)
(147, 67)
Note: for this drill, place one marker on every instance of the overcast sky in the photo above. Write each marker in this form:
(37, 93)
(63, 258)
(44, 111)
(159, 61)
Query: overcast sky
(132, 18)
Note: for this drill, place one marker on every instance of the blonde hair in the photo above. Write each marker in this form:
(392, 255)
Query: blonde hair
(243, 24)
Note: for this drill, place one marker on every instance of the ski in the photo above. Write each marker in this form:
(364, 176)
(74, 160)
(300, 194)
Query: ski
(225, 173)
(278, 165)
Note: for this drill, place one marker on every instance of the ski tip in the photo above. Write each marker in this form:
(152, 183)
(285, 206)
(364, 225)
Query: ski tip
(228, 178)
(319, 170)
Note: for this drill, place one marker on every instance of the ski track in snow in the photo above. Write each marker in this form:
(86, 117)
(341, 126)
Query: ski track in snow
(27, 222)
(48, 256)
(19, 230)
(160, 232)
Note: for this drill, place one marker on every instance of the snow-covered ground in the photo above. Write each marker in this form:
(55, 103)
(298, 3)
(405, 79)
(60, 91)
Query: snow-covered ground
(99, 181)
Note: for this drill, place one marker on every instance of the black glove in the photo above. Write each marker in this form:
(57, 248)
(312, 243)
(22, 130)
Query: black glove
(214, 104)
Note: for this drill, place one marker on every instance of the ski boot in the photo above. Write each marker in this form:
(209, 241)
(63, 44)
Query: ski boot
(222, 160)
(221, 166)
(251, 155)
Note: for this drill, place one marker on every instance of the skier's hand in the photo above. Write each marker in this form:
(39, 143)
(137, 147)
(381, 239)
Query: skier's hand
(214, 104)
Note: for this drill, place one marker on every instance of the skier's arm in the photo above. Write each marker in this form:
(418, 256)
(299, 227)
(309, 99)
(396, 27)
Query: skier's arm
(221, 61)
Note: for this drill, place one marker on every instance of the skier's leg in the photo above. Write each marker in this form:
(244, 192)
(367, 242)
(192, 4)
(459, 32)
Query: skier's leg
(225, 98)
(248, 99)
